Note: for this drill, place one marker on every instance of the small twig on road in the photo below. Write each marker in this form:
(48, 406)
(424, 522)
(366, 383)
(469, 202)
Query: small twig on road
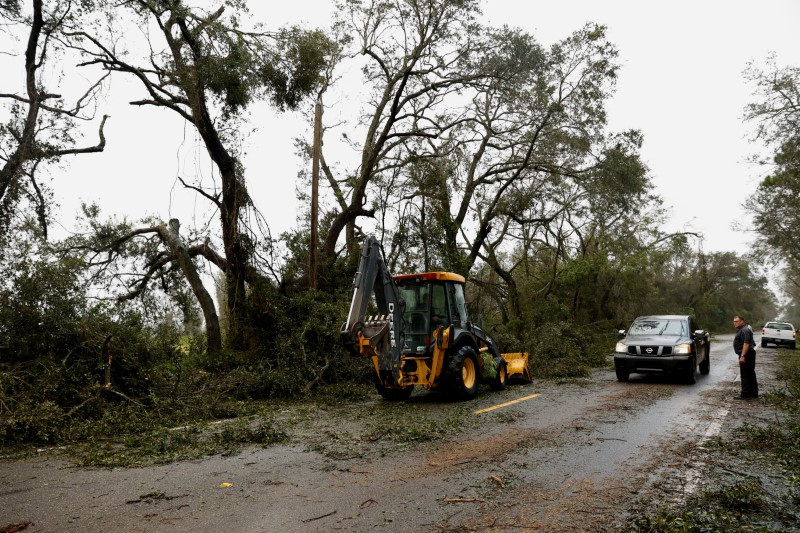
(367, 503)
(462, 500)
(13, 528)
(603, 439)
(319, 517)
(497, 480)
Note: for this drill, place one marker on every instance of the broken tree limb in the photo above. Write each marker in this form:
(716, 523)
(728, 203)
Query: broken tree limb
(319, 517)
(173, 240)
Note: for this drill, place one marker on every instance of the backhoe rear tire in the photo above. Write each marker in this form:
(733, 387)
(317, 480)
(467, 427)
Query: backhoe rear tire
(500, 380)
(463, 374)
(394, 395)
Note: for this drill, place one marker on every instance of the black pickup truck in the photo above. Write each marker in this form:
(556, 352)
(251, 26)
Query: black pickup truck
(663, 344)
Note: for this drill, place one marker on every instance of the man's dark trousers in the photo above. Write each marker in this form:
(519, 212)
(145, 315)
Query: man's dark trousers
(748, 373)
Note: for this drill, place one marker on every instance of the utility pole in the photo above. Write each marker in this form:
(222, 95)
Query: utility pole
(312, 267)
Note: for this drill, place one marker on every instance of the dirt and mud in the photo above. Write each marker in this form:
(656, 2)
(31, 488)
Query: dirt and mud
(580, 456)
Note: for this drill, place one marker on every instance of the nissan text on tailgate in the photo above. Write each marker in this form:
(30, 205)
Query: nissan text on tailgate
(778, 333)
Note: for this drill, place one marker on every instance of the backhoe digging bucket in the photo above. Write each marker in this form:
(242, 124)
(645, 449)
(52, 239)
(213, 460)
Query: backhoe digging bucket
(517, 366)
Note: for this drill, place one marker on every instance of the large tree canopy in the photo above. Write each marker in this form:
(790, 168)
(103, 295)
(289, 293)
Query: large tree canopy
(206, 66)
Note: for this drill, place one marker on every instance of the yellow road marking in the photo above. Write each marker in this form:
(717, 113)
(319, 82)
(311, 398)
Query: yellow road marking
(512, 402)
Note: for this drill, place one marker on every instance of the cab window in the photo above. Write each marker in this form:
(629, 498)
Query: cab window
(439, 313)
(416, 309)
(461, 304)
(451, 300)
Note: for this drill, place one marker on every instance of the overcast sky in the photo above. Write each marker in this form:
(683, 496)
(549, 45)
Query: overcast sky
(681, 84)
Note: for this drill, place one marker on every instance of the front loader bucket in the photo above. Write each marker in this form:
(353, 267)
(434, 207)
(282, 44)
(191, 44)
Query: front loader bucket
(517, 366)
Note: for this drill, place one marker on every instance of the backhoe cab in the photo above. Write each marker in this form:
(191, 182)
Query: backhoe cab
(421, 334)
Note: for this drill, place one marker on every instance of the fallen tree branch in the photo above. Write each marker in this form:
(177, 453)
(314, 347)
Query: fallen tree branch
(319, 517)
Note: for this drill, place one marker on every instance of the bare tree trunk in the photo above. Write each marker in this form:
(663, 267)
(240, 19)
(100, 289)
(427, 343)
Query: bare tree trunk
(13, 167)
(173, 239)
(424, 238)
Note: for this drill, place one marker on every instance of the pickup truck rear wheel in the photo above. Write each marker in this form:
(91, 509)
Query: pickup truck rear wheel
(793, 345)
(763, 343)
(463, 373)
(623, 374)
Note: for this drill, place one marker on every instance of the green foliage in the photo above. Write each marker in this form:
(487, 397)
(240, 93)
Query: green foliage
(745, 494)
(237, 68)
(9, 7)
(412, 429)
(302, 58)
(789, 374)
(489, 370)
(775, 112)
(690, 522)
(246, 432)
(776, 206)
(155, 444)
(295, 338)
(560, 349)
(55, 345)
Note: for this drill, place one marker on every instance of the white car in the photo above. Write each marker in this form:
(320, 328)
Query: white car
(778, 333)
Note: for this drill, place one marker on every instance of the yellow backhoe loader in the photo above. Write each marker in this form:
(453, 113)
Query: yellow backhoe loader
(421, 334)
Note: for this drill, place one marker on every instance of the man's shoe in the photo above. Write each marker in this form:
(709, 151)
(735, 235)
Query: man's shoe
(739, 397)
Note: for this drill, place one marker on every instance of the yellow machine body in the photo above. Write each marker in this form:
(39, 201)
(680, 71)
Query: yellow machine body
(422, 335)
(517, 365)
(427, 369)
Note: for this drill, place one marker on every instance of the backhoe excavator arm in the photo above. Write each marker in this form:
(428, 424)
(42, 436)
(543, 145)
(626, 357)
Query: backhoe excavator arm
(380, 335)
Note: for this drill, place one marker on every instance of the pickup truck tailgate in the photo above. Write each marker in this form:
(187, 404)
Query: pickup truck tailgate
(783, 334)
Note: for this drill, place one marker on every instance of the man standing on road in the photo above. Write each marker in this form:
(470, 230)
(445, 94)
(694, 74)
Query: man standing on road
(743, 345)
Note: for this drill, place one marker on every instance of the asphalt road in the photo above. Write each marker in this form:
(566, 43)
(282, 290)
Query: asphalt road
(578, 456)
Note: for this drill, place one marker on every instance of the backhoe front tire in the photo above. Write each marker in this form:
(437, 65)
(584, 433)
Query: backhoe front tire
(394, 395)
(500, 380)
(463, 374)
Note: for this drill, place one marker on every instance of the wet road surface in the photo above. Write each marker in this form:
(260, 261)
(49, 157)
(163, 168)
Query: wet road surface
(574, 457)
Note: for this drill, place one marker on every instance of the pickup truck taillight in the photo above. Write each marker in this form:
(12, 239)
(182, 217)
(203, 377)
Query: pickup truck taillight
(763, 331)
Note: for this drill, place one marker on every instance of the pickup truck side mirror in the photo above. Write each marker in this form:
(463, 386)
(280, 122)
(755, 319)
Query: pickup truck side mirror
(700, 333)
(621, 333)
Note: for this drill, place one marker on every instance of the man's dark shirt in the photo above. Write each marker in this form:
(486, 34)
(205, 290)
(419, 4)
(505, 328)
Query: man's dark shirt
(744, 335)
